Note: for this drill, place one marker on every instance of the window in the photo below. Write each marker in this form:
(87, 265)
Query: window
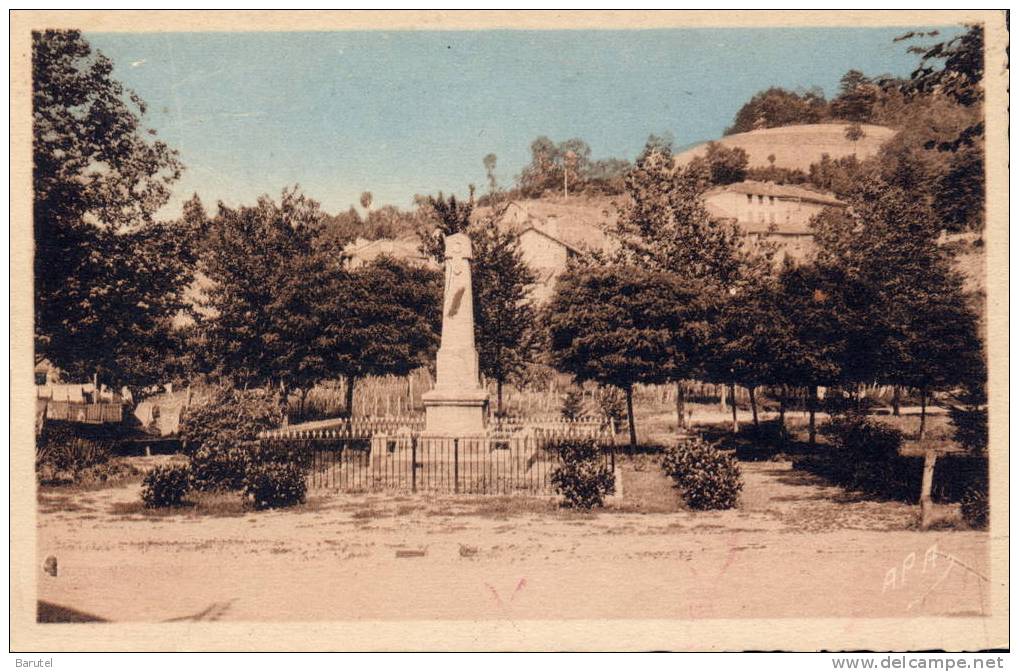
(771, 200)
(750, 198)
(760, 199)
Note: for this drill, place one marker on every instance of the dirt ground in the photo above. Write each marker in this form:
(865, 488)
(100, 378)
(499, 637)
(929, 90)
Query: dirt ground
(795, 548)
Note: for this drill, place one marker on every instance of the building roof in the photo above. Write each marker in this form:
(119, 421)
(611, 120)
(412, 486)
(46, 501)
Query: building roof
(550, 236)
(578, 222)
(783, 191)
(407, 248)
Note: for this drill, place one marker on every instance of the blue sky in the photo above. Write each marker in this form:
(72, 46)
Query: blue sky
(399, 113)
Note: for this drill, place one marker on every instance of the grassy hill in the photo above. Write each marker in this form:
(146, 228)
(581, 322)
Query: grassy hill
(796, 147)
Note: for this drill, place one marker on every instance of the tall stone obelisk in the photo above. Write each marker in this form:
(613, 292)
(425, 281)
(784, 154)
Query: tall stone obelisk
(457, 405)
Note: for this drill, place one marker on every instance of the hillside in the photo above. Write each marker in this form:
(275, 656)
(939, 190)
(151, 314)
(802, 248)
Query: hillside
(796, 147)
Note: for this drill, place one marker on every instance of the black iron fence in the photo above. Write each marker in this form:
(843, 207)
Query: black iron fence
(487, 465)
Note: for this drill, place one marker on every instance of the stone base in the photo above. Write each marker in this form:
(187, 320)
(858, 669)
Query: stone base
(455, 413)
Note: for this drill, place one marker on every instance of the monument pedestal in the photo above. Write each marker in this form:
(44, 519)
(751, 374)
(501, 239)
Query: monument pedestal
(453, 412)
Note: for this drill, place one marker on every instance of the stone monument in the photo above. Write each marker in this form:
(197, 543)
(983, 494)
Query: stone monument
(458, 404)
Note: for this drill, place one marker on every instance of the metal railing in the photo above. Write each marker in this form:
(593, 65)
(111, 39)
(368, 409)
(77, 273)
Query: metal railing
(487, 465)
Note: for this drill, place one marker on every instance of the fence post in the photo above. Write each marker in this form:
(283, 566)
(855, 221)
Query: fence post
(456, 466)
(413, 464)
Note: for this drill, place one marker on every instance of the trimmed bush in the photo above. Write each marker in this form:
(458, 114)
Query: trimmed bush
(275, 485)
(230, 417)
(975, 506)
(166, 486)
(708, 477)
(582, 476)
(220, 467)
(864, 439)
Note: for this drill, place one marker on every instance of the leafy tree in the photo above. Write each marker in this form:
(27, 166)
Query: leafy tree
(614, 325)
(856, 99)
(381, 319)
(727, 165)
(778, 107)
(267, 270)
(504, 313)
(665, 226)
(918, 316)
(108, 278)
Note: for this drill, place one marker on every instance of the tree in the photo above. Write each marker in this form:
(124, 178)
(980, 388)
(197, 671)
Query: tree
(108, 278)
(727, 164)
(665, 226)
(381, 319)
(504, 313)
(778, 107)
(919, 324)
(856, 99)
(366, 203)
(493, 183)
(268, 270)
(614, 325)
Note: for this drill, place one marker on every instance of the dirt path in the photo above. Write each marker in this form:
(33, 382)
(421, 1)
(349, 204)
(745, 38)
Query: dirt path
(795, 548)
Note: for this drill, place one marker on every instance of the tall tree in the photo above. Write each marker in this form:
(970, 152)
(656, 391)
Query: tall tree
(504, 313)
(108, 277)
(614, 325)
(267, 270)
(666, 226)
(381, 319)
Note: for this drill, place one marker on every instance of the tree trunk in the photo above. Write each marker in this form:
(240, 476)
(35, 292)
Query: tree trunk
(498, 398)
(923, 414)
(721, 399)
(350, 397)
(629, 416)
(753, 405)
(896, 399)
(781, 410)
(732, 401)
(926, 503)
(812, 410)
(680, 406)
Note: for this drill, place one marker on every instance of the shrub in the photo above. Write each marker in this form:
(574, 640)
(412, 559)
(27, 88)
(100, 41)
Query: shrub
(612, 404)
(573, 405)
(274, 485)
(975, 506)
(67, 455)
(230, 417)
(970, 424)
(166, 486)
(582, 477)
(862, 439)
(709, 478)
(220, 467)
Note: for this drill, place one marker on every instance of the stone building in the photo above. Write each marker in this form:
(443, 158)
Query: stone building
(776, 213)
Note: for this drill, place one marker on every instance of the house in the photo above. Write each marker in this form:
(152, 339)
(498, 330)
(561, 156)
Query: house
(551, 231)
(408, 249)
(777, 213)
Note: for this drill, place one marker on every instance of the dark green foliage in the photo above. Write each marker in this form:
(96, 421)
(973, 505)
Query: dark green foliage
(726, 165)
(382, 319)
(108, 277)
(274, 485)
(220, 466)
(261, 324)
(708, 477)
(779, 107)
(220, 435)
(582, 477)
(612, 404)
(976, 506)
(166, 486)
(573, 404)
(66, 455)
(618, 325)
(863, 439)
(970, 423)
(230, 416)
